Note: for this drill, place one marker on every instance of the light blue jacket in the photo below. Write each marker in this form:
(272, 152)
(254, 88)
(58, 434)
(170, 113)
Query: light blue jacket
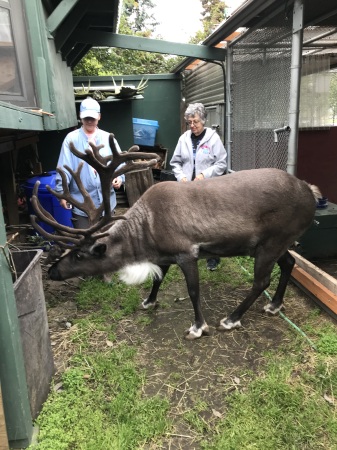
(89, 177)
(210, 159)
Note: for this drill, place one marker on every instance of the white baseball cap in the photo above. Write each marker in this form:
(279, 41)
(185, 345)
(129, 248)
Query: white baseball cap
(90, 108)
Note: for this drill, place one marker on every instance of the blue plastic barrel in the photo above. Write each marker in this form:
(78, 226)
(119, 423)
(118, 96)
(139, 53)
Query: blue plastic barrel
(49, 202)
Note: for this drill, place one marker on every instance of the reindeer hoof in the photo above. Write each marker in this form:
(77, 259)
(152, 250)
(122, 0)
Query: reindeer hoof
(195, 333)
(271, 309)
(148, 305)
(227, 324)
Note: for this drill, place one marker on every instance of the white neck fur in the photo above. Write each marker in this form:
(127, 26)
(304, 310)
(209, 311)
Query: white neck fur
(139, 272)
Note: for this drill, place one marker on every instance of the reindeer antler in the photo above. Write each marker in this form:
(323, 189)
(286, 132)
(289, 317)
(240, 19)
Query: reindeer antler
(108, 168)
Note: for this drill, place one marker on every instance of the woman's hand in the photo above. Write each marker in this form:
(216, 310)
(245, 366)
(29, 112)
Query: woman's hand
(199, 177)
(183, 180)
(65, 204)
(117, 183)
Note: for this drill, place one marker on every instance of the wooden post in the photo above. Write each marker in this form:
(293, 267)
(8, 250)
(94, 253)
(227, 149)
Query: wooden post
(136, 183)
(3, 431)
(9, 187)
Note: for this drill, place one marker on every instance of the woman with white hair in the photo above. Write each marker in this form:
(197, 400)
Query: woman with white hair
(199, 154)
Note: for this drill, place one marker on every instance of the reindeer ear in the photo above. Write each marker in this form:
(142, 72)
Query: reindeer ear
(98, 249)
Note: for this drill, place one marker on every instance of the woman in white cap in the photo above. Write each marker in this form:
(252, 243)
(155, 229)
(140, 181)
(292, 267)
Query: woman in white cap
(90, 114)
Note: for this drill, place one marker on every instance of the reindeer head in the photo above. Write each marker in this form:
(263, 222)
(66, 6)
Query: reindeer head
(89, 259)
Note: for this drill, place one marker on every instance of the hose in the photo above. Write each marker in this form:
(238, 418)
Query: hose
(266, 293)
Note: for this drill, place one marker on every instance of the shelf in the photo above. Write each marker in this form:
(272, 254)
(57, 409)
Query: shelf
(113, 99)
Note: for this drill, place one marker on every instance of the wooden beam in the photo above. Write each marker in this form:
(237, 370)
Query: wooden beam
(105, 39)
(315, 281)
(60, 13)
(322, 277)
(64, 30)
(316, 288)
(16, 118)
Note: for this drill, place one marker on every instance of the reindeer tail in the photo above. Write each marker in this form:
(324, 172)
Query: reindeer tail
(316, 192)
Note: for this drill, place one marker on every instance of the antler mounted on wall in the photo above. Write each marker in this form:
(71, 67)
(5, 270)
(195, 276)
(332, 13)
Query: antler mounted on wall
(108, 168)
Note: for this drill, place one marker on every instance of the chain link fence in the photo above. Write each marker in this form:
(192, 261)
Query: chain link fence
(260, 95)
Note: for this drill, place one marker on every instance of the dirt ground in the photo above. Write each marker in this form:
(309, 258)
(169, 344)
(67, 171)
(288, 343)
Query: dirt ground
(206, 370)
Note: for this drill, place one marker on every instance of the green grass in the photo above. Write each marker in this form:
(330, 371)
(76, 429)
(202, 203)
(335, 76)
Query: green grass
(100, 406)
(195, 419)
(327, 341)
(279, 411)
(114, 299)
(288, 404)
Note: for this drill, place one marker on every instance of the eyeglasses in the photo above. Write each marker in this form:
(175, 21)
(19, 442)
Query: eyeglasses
(192, 122)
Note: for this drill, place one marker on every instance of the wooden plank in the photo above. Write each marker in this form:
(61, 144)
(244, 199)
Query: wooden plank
(108, 39)
(324, 278)
(3, 431)
(323, 294)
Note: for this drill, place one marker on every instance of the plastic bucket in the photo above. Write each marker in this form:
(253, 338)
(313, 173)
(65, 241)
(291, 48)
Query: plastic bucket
(144, 131)
(49, 202)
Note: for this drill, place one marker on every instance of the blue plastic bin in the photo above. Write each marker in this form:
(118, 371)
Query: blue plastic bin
(49, 202)
(144, 131)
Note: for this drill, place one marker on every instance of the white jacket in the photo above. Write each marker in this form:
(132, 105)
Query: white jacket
(210, 159)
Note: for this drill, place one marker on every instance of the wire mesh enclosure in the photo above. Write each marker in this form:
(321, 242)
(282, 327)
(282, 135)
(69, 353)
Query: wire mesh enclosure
(260, 95)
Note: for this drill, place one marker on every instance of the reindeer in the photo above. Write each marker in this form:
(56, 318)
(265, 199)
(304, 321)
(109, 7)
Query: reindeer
(259, 212)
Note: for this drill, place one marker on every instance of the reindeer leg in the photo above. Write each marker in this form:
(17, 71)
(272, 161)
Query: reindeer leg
(191, 273)
(286, 263)
(262, 271)
(151, 300)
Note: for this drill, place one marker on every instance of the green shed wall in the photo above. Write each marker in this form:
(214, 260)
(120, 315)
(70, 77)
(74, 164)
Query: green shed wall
(161, 102)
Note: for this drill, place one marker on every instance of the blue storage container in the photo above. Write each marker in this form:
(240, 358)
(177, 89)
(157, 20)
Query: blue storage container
(144, 131)
(49, 202)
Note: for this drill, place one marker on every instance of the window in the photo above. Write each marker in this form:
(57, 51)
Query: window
(16, 79)
(9, 74)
